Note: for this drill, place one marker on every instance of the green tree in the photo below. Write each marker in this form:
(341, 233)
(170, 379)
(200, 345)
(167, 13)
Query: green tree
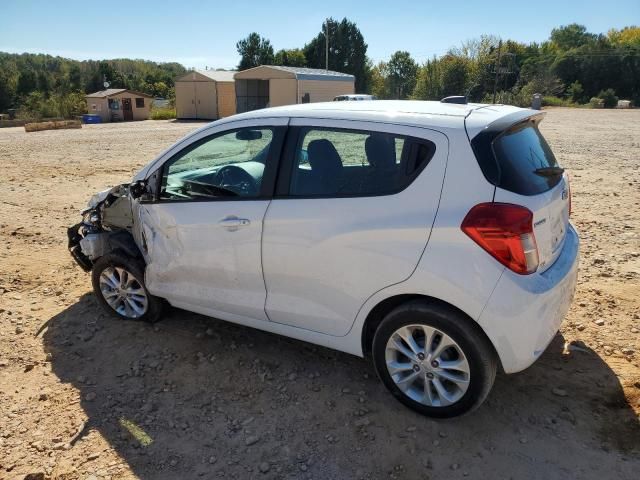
(626, 36)
(571, 36)
(347, 51)
(576, 92)
(455, 73)
(402, 72)
(8, 84)
(44, 82)
(254, 51)
(290, 58)
(75, 78)
(27, 82)
(429, 82)
(378, 81)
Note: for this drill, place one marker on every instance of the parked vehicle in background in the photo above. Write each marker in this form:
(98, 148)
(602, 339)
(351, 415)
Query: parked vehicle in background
(354, 98)
(433, 237)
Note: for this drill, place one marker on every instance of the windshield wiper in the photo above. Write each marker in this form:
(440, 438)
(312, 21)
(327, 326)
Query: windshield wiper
(549, 171)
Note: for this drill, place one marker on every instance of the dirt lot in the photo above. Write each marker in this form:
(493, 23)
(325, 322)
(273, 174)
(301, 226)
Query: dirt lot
(85, 396)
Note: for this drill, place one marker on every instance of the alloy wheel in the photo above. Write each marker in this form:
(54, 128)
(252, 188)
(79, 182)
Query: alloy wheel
(427, 365)
(123, 292)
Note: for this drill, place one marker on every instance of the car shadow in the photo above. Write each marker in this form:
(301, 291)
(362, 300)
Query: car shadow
(193, 397)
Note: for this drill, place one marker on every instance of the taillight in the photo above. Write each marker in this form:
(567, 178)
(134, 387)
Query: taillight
(506, 232)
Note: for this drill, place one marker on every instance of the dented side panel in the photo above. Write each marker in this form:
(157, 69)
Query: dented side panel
(195, 259)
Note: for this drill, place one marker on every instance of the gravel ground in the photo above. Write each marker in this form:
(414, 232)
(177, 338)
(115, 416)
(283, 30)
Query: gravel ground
(83, 396)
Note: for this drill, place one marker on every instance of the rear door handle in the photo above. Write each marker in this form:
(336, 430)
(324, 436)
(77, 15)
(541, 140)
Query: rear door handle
(232, 223)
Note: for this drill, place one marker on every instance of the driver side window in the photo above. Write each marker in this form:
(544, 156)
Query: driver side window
(230, 164)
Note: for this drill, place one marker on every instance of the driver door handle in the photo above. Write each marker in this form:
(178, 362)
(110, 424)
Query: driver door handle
(232, 223)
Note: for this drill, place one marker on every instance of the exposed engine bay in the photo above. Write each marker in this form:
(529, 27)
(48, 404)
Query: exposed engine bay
(106, 226)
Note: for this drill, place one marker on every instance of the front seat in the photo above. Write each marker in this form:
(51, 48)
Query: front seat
(326, 168)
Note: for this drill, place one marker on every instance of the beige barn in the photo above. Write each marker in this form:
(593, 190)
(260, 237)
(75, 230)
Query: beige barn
(118, 104)
(272, 86)
(205, 94)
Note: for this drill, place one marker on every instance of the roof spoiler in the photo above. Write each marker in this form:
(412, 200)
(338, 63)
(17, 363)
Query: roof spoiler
(461, 99)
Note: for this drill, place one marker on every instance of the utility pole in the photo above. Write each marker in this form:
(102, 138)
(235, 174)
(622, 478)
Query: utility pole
(326, 47)
(495, 84)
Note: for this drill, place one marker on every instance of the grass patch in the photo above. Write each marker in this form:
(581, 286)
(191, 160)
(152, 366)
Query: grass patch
(163, 113)
(549, 101)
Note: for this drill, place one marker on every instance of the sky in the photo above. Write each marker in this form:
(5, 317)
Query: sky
(201, 34)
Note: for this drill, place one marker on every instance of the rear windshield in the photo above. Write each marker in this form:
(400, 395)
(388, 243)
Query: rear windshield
(520, 152)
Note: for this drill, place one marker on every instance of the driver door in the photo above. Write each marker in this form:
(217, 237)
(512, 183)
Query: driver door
(201, 235)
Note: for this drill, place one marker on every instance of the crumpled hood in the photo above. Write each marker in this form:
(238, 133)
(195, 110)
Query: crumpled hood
(100, 197)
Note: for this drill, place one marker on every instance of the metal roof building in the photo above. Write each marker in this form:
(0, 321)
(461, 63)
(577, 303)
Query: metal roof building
(273, 85)
(205, 94)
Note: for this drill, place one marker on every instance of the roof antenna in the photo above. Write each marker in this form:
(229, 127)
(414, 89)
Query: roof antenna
(460, 99)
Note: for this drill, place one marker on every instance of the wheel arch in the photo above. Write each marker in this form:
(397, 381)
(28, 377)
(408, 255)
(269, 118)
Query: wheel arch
(385, 306)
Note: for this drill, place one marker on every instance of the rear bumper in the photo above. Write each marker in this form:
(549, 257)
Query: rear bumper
(524, 312)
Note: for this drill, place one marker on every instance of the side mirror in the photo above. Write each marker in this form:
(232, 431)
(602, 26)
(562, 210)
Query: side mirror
(138, 188)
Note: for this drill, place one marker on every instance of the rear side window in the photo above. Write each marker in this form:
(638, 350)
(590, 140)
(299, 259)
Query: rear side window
(335, 163)
(523, 156)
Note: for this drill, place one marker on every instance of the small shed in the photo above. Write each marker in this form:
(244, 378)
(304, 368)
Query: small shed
(272, 86)
(206, 94)
(117, 104)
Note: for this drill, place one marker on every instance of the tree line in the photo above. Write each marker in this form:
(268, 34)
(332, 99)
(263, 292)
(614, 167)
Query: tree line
(573, 66)
(47, 86)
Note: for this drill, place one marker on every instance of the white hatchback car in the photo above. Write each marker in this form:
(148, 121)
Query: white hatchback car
(432, 236)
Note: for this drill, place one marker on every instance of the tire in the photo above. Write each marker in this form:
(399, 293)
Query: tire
(429, 387)
(135, 308)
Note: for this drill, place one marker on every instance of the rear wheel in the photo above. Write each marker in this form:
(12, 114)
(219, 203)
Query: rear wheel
(433, 359)
(118, 282)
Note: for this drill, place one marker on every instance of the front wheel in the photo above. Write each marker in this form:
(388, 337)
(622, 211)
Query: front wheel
(118, 282)
(433, 359)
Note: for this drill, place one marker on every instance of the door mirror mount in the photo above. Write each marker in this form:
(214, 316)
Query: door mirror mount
(138, 188)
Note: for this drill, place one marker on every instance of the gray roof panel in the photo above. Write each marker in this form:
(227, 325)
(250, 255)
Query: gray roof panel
(303, 73)
(218, 75)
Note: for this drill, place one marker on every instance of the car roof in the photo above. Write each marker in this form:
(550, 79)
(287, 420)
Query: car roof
(410, 112)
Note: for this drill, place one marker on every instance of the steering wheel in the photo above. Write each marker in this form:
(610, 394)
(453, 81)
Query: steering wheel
(236, 179)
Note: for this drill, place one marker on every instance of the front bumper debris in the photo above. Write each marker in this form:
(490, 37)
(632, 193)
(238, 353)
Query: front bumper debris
(74, 237)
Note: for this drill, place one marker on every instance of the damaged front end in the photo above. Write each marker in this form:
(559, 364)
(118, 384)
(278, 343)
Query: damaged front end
(106, 226)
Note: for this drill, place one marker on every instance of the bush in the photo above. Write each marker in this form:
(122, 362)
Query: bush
(609, 98)
(37, 105)
(507, 97)
(575, 92)
(550, 101)
(163, 113)
(596, 102)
